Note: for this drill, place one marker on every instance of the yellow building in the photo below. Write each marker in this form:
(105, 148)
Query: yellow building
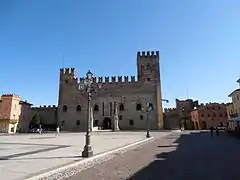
(10, 110)
(234, 109)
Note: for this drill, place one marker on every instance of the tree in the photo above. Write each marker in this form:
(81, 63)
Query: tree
(36, 120)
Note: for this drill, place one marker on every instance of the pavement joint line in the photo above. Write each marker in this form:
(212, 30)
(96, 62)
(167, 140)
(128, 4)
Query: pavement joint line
(100, 155)
(29, 144)
(31, 152)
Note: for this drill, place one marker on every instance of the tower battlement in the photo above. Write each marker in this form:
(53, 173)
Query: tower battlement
(112, 79)
(147, 54)
(69, 71)
(45, 107)
(170, 110)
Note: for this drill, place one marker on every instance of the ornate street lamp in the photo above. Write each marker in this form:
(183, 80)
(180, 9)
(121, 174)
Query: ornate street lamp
(148, 109)
(86, 87)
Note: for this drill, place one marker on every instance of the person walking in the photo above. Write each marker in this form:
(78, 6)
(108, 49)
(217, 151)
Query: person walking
(40, 129)
(211, 130)
(217, 131)
(57, 131)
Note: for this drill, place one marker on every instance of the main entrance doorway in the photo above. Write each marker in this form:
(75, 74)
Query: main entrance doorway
(203, 125)
(107, 123)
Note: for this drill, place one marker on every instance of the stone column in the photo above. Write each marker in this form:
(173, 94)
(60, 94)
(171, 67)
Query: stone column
(115, 118)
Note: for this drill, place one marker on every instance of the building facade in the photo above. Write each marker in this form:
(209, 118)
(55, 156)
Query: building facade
(10, 111)
(131, 96)
(234, 109)
(211, 114)
(174, 118)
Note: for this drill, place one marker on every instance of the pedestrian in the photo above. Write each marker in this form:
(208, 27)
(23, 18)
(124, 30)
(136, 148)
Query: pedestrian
(211, 130)
(217, 131)
(57, 131)
(40, 129)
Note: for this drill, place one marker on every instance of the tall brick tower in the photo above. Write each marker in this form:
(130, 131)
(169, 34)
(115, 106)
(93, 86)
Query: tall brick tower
(149, 73)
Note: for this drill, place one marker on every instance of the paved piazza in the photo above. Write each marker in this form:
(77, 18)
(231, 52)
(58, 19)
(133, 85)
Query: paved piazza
(179, 156)
(26, 155)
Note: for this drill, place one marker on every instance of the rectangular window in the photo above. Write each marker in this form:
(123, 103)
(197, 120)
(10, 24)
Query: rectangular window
(141, 117)
(103, 108)
(131, 122)
(96, 123)
(111, 108)
(120, 117)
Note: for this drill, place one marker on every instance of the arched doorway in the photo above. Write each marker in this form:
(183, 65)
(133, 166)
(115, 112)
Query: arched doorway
(191, 125)
(203, 125)
(107, 123)
(196, 126)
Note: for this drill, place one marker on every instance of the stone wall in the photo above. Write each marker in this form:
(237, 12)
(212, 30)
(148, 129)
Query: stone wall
(48, 116)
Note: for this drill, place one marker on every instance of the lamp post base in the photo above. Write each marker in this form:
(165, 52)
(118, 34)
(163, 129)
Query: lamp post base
(87, 152)
(148, 135)
(115, 129)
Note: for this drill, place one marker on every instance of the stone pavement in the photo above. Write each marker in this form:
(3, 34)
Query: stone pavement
(179, 156)
(27, 155)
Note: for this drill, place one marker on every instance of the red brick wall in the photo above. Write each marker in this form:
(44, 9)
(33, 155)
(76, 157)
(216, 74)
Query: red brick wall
(212, 114)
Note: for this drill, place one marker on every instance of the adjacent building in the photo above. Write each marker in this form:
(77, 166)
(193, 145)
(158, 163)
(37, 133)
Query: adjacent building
(174, 118)
(25, 117)
(234, 109)
(10, 111)
(130, 94)
(14, 114)
(210, 114)
(171, 118)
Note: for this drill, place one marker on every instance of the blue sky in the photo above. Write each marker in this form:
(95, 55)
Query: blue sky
(198, 41)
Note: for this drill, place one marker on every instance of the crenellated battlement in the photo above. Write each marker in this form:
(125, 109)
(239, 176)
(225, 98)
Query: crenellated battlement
(112, 79)
(10, 95)
(147, 54)
(45, 107)
(170, 110)
(67, 71)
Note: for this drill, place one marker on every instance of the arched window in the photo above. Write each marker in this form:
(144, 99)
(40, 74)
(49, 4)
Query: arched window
(121, 107)
(96, 107)
(78, 108)
(148, 67)
(150, 105)
(63, 123)
(78, 122)
(64, 108)
(138, 107)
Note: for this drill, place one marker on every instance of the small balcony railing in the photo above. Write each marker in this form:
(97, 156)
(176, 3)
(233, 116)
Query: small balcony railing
(13, 121)
(234, 117)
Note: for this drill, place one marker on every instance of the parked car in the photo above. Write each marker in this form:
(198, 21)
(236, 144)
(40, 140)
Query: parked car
(223, 128)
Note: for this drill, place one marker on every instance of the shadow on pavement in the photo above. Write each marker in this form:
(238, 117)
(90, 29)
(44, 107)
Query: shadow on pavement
(41, 158)
(197, 156)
